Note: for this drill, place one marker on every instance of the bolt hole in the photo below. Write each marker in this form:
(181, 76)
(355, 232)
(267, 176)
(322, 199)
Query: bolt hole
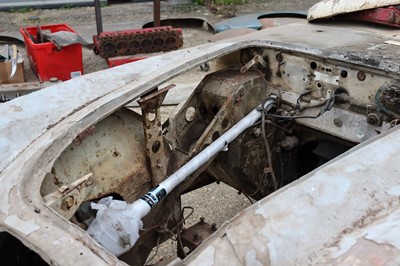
(156, 146)
(319, 85)
(215, 135)
(279, 57)
(215, 110)
(343, 73)
(190, 114)
(151, 116)
(115, 153)
(313, 65)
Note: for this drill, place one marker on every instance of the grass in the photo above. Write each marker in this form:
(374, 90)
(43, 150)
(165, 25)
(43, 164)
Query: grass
(220, 2)
(228, 2)
(20, 10)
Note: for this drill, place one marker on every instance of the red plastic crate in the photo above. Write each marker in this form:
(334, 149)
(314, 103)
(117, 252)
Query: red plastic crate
(47, 61)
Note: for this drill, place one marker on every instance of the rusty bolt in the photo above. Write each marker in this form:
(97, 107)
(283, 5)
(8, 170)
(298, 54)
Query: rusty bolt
(337, 122)
(89, 182)
(373, 119)
(68, 202)
(361, 75)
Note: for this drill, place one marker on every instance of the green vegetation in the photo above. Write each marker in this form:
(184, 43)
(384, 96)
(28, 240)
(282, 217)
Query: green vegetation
(20, 10)
(68, 6)
(198, 2)
(71, 6)
(228, 2)
(219, 2)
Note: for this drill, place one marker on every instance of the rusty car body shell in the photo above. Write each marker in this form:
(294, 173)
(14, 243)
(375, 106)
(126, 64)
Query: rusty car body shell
(331, 215)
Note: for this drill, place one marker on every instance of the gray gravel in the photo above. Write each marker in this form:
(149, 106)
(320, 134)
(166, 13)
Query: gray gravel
(217, 203)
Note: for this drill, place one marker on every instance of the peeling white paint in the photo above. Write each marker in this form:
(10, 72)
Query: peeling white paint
(322, 215)
(346, 243)
(326, 78)
(332, 189)
(62, 241)
(208, 259)
(24, 227)
(394, 191)
(251, 258)
(386, 232)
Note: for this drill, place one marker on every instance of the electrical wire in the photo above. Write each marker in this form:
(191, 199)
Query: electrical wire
(328, 104)
(307, 92)
(394, 122)
(377, 99)
(269, 167)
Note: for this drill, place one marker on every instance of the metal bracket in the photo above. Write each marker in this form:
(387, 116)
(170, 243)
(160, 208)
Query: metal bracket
(257, 59)
(67, 199)
(155, 146)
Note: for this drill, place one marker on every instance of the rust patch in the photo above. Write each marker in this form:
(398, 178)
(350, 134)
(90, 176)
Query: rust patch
(372, 215)
(366, 252)
(84, 134)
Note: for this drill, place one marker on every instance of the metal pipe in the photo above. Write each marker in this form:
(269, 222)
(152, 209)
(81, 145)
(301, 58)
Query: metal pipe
(103, 228)
(165, 187)
(157, 13)
(99, 22)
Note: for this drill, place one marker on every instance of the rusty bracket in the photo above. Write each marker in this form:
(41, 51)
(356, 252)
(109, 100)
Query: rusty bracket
(155, 146)
(193, 236)
(67, 199)
(257, 59)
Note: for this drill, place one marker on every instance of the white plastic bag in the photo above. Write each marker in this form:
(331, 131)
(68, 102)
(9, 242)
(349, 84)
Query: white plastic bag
(116, 226)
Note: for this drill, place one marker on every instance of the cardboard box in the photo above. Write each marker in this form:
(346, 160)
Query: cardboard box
(5, 71)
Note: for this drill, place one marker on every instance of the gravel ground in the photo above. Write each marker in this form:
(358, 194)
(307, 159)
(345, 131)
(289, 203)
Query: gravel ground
(217, 203)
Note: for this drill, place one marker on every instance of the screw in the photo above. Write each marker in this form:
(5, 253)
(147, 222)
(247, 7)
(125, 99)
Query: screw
(361, 75)
(373, 119)
(89, 182)
(68, 202)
